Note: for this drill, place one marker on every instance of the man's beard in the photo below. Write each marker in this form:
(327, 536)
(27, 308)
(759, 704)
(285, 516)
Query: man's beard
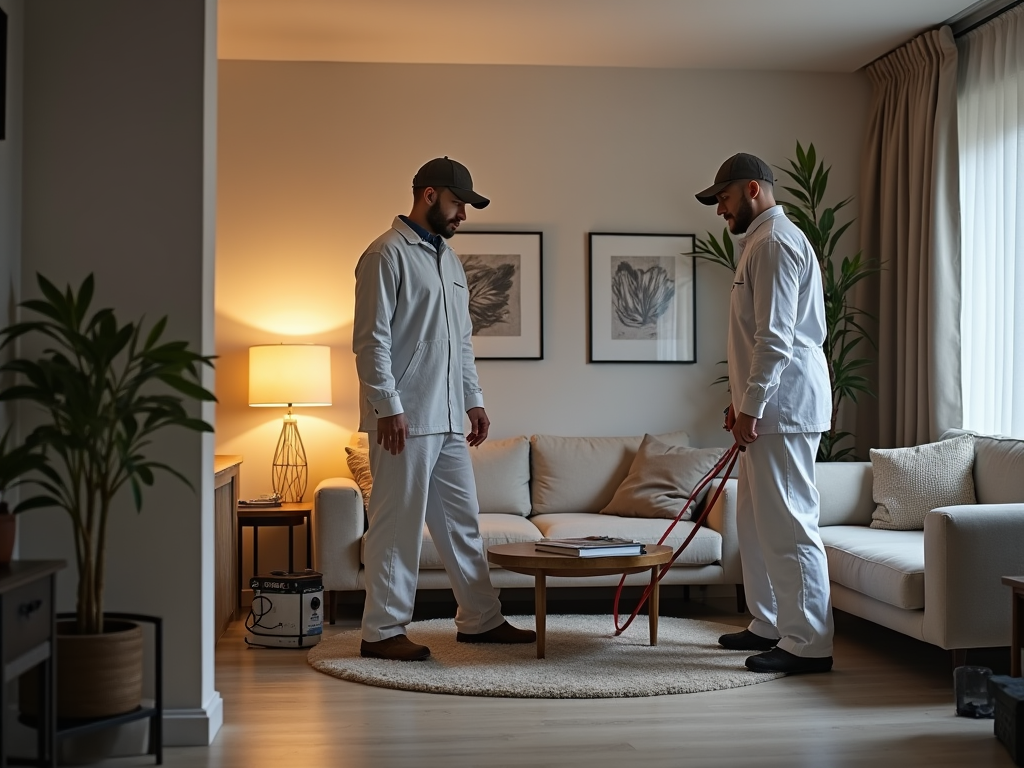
(744, 216)
(438, 223)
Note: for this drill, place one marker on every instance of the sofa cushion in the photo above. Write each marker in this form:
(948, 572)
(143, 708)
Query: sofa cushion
(844, 489)
(910, 482)
(998, 467)
(494, 529)
(501, 469)
(885, 565)
(581, 474)
(705, 549)
(502, 472)
(660, 480)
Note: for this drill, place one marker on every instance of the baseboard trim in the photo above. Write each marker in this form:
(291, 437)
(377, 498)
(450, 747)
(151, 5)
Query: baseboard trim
(194, 727)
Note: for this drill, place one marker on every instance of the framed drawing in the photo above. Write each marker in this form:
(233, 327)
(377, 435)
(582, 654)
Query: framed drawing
(504, 273)
(642, 300)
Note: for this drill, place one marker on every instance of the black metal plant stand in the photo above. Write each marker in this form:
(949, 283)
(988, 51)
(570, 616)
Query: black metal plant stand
(78, 726)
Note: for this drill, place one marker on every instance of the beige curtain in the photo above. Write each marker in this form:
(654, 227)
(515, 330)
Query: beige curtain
(910, 222)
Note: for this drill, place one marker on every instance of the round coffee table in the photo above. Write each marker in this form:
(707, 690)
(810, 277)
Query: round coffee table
(525, 558)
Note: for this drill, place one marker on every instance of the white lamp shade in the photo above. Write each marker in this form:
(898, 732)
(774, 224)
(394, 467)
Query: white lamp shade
(289, 374)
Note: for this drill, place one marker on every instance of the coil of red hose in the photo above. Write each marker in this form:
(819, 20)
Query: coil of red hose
(727, 462)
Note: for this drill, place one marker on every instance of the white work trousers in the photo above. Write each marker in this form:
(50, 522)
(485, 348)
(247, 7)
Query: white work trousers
(431, 481)
(785, 574)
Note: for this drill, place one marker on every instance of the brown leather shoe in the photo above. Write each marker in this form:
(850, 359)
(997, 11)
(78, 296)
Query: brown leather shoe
(503, 633)
(397, 648)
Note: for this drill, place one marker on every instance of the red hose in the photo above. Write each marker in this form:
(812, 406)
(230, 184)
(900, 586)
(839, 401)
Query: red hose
(728, 458)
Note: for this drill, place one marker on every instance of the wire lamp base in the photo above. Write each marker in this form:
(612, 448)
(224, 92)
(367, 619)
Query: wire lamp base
(290, 471)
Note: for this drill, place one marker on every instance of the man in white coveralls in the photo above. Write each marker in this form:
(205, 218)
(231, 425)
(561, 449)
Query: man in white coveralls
(412, 338)
(781, 403)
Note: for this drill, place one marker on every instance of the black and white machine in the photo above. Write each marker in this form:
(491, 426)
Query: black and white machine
(287, 609)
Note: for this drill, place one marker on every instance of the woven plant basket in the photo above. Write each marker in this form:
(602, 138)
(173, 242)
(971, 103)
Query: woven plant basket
(97, 675)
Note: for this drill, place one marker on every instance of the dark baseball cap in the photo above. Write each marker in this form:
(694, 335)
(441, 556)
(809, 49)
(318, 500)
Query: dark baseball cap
(444, 172)
(739, 167)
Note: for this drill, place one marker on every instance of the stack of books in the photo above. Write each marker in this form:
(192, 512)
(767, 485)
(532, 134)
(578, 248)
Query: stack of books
(591, 546)
(264, 501)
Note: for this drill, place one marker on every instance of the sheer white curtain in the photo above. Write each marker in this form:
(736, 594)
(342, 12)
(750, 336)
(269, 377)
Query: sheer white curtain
(991, 128)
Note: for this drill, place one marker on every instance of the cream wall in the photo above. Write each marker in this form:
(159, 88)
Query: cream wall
(315, 160)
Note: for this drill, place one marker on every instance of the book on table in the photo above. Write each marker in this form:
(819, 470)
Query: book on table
(591, 546)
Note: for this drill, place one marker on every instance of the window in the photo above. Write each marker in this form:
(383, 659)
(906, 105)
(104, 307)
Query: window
(991, 134)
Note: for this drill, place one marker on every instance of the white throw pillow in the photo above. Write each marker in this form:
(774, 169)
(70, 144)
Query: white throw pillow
(661, 479)
(358, 460)
(910, 482)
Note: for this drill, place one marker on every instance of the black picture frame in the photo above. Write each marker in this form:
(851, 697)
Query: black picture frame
(508, 317)
(642, 298)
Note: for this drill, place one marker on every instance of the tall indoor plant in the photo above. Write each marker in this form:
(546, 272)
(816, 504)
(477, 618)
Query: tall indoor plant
(843, 330)
(104, 389)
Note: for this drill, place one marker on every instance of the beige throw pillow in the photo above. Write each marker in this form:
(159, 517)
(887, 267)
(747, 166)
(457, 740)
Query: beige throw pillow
(910, 482)
(358, 460)
(661, 479)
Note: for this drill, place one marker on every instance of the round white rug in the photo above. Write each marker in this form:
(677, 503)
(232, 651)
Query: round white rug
(584, 661)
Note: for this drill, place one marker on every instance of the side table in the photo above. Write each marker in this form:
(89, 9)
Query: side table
(1016, 584)
(288, 514)
(28, 632)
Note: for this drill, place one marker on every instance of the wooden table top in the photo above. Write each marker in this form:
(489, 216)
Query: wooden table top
(1017, 582)
(287, 513)
(525, 558)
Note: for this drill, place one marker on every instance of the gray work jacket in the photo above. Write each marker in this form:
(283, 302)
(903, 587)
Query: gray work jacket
(412, 335)
(777, 368)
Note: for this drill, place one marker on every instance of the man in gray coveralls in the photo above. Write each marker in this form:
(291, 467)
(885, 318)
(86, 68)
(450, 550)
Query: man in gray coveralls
(412, 337)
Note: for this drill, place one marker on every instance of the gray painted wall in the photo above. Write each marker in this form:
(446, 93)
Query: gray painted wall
(119, 181)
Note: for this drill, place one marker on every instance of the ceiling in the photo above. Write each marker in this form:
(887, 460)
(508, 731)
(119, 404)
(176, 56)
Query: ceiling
(793, 35)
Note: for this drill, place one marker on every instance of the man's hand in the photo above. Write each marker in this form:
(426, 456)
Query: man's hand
(391, 433)
(479, 426)
(744, 428)
(730, 419)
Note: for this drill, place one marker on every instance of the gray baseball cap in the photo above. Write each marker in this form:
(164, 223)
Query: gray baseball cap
(445, 172)
(739, 167)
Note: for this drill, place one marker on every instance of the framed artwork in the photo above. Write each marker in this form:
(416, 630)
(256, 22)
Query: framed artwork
(506, 304)
(642, 304)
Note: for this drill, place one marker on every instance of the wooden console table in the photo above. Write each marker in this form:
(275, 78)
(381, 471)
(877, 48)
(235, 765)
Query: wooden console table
(28, 632)
(226, 474)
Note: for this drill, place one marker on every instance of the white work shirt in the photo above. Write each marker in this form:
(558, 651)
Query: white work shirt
(777, 368)
(412, 334)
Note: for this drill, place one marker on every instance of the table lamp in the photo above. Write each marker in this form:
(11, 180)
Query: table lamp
(287, 375)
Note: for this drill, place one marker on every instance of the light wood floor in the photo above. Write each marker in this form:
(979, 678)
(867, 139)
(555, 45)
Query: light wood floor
(888, 702)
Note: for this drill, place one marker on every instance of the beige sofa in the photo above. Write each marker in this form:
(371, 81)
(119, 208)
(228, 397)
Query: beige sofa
(531, 488)
(943, 584)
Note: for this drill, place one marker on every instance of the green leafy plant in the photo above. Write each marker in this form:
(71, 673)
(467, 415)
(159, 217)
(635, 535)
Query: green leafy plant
(844, 332)
(15, 464)
(104, 390)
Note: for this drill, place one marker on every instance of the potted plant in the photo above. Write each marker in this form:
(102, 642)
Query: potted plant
(103, 390)
(14, 465)
(843, 331)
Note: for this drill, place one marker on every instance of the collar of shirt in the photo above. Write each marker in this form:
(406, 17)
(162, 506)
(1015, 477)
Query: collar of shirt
(761, 218)
(434, 240)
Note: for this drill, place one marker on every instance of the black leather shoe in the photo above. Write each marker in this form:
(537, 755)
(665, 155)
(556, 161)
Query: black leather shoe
(778, 660)
(746, 641)
(503, 633)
